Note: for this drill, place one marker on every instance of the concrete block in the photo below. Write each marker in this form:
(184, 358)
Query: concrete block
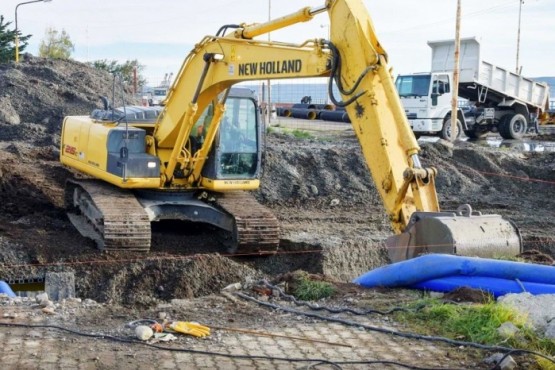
(59, 285)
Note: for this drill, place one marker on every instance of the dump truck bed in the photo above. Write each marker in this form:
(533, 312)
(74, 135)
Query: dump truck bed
(483, 81)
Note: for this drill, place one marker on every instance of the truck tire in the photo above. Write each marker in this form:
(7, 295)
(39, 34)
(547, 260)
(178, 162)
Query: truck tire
(512, 126)
(445, 132)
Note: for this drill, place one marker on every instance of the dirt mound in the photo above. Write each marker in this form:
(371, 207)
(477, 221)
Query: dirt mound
(536, 256)
(313, 173)
(41, 91)
(322, 189)
(466, 294)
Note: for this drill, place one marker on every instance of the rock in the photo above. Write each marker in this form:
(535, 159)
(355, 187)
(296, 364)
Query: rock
(334, 202)
(508, 363)
(8, 114)
(45, 303)
(49, 310)
(89, 302)
(550, 330)
(41, 297)
(162, 315)
(232, 287)
(314, 189)
(507, 330)
(539, 310)
(436, 294)
(143, 332)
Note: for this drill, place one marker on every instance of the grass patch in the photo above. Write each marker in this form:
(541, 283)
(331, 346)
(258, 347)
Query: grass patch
(476, 323)
(313, 290)
(300, 134)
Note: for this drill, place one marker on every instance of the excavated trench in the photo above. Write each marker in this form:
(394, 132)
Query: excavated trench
(331, 217)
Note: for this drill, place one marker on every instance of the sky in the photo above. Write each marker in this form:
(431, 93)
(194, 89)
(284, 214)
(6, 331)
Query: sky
(159, 34)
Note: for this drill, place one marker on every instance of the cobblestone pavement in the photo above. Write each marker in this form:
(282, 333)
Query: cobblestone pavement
(50, 349)
(46, 348)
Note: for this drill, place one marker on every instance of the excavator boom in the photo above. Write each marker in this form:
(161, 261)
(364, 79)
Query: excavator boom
(186, 143)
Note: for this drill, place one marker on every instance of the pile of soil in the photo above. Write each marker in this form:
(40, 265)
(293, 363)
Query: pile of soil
(320, 189)
(38, 93)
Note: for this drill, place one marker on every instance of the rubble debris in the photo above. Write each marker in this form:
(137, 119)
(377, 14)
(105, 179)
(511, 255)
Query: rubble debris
(503, 362)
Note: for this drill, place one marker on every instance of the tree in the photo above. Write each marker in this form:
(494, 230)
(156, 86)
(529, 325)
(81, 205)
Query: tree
(56, 45)
(7, 41)
(126, 70)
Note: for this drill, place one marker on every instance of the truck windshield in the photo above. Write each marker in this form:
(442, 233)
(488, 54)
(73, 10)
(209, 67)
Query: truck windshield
(413, 85)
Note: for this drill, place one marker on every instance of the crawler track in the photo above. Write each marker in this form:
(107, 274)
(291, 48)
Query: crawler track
(117, 221)
(257, 227)
(112, 217)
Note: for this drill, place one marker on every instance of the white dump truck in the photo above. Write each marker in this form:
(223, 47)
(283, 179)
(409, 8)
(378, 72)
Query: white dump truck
(496, 100)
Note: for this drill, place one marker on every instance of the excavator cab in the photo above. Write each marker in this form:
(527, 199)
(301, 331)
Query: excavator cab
(236, 152)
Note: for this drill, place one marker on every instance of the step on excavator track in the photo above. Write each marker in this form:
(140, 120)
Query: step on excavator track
(112, 217)
(257, 229)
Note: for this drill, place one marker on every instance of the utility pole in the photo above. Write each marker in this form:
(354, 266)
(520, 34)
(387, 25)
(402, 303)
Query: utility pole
(269, 102)
(520, 2)
(455, 89)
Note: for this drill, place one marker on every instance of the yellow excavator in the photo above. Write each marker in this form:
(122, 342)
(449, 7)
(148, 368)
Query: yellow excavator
(196, 157)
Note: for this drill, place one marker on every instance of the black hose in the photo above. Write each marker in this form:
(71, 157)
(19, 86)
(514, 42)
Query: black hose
(337, 310)
(223, 29)
(393, 332)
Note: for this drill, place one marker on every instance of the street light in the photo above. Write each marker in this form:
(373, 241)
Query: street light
(16, 29)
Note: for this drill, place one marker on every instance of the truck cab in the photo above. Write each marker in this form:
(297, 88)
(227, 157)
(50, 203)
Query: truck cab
(157, 96)
(426, 98)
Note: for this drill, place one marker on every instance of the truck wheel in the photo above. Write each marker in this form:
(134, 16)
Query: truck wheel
(512, 126)
(445, 132)
(476, 133)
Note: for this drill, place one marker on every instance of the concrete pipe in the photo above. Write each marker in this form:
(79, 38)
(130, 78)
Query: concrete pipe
(346, 118)
(330, 115)
(303, 113)
(303, 106)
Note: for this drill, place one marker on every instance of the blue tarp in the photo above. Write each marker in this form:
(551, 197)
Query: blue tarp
(444, 272)
(5, 288)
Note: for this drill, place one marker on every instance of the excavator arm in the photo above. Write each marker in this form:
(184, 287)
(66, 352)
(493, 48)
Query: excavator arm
(354, 58)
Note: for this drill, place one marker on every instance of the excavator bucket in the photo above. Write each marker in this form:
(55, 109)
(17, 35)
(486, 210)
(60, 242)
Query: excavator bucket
(464, 232)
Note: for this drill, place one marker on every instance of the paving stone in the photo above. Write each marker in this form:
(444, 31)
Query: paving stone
(77, 352)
